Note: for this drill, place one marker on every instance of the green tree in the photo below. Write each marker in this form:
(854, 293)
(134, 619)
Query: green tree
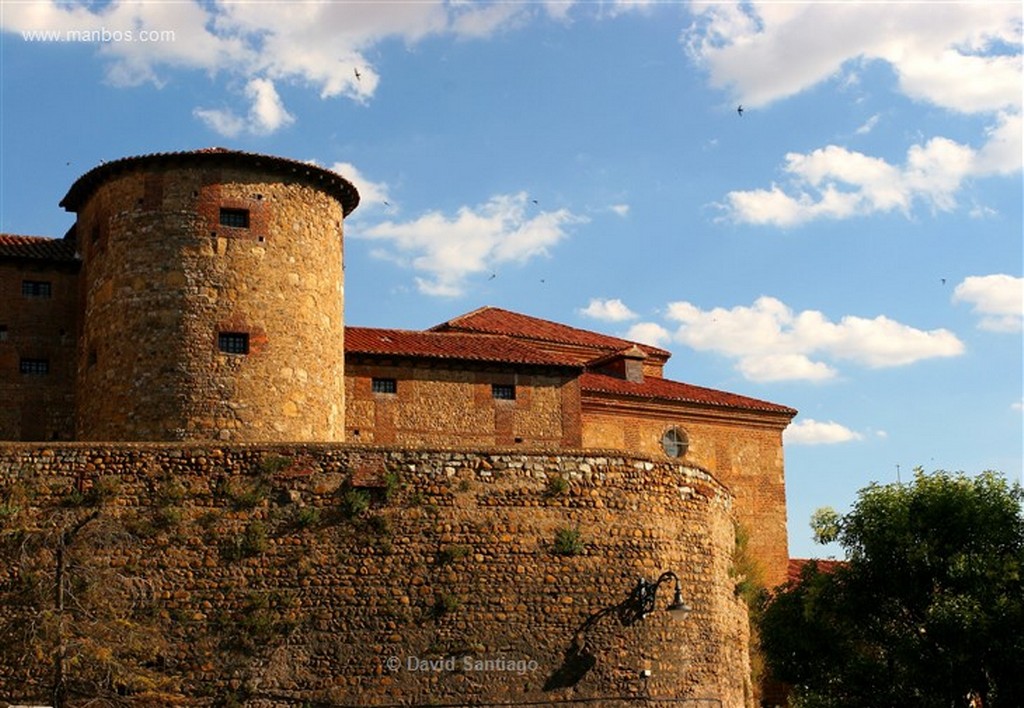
(927, 610)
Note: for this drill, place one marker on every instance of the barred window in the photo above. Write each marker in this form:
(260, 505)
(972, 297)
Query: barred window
(235, 218)
(34, 367)
(36, 288)
(385, 386)
(503, 392)
(233, 342)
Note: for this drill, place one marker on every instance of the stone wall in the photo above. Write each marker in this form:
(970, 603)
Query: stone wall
(743, 451)
(162, 278)
(341, 575)
(37, 405)
(441, 406)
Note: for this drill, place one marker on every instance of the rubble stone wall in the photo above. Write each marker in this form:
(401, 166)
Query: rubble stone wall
(343, 575)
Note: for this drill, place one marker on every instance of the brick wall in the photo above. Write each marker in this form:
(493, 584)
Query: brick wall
(261, 575)
(446, 406)
(37, 406)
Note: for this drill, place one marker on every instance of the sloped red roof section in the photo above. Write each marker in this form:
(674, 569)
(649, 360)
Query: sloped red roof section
(36, 247)
(653, 388)
(494, 320)
(454, 346)
(796, 566)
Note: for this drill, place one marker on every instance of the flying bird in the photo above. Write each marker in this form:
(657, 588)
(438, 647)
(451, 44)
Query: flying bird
(359, 77)
(739, 110)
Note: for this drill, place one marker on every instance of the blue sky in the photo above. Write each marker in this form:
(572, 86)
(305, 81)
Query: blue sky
(851, 245)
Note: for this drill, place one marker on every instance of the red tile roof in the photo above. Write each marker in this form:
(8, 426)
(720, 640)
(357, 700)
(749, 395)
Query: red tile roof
(494, 320)
(331, 182)
(38, 247)
(796, 566)
(652, 388)
(454, 346)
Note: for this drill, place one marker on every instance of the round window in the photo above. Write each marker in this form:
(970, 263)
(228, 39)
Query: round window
(674, 442)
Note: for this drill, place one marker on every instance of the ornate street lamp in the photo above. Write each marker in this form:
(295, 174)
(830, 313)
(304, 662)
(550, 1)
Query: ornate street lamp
(645, 593)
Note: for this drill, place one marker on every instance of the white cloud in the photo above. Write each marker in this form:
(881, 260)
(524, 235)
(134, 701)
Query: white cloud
(999, 299)
(772, 343)
(371, 193)
(620, 209)
(448, 250)
(953, 55)
(266, 113)
(813, 432)
(837, 183)
(869, 125)
(608, 310)
(1018, 405)
(962, 57)
(318, 44)
(649, 333)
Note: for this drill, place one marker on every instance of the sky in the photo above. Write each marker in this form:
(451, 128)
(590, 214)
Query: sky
(850, 244)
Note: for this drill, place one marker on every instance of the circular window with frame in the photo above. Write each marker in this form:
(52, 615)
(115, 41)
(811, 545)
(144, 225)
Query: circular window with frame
(675, 442)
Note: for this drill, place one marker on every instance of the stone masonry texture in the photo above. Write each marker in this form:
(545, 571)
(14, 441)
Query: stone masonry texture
(162, 278)
(333, 574)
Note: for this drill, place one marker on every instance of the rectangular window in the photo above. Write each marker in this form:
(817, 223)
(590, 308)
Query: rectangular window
(36, 288)
(3, 333)
(233, 342)
(235, 218)
(385, 386)
(503, 392)
(35, 367)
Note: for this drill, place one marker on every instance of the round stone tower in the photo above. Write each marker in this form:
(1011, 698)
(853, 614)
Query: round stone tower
(212, 298)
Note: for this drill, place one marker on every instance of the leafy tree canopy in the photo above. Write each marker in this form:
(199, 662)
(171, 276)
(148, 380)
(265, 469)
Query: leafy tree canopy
(927, 610)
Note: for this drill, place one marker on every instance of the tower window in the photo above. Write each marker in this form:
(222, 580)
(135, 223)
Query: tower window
(503, 392)
(675, 442)
(233, 342)
(34, 367)
(235, 218)
(41, 289)
(385, 386)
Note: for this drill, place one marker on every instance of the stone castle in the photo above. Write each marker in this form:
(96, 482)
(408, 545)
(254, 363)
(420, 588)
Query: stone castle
(189, 330)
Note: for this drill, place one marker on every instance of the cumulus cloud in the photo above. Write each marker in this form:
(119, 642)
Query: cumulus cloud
(836, 183)
(999, 299)
(320, 45)
(371, 193)
(266, 113)
(814, 432)
(954, 55)
(608, 310)
(962, 57)
(771, 342)
(447, 250)
(649, 333)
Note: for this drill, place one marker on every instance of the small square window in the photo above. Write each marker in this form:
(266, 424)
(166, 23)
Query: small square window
(233, 342)
(37, 289)
(385, 386)
(503, 392)
(34, 367)
(235, 218)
